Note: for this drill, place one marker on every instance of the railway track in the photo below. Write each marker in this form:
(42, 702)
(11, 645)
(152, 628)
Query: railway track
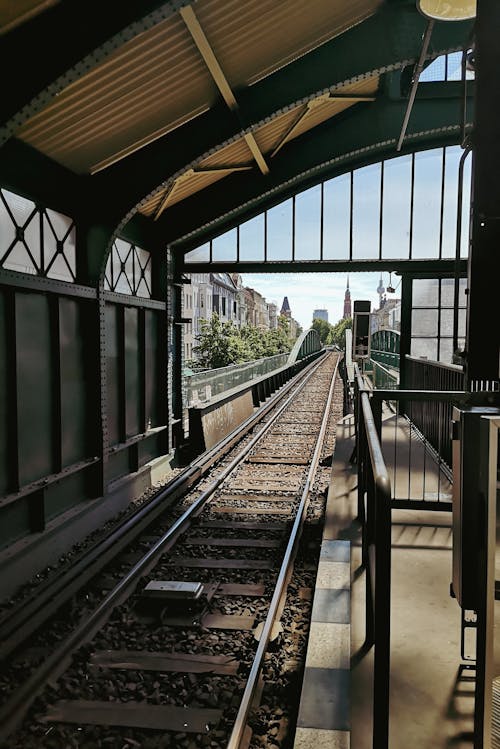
(186, 629)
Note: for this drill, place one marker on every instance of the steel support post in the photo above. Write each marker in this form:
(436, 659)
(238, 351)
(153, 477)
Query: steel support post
(483, 332)
(405, 338)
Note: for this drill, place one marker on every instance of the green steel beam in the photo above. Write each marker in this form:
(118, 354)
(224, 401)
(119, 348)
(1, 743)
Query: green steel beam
(42, 56)
(413, 268)
(28, 172)
(483, 331)
(390, 40)
(363, 134)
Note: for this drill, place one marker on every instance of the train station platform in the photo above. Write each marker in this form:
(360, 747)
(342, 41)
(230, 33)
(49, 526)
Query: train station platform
(431, 695)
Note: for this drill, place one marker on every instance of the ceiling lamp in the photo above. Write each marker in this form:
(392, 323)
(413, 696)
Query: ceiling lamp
(447, 10)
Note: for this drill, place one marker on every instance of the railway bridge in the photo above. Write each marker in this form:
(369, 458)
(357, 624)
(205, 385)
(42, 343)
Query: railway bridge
(143, 143)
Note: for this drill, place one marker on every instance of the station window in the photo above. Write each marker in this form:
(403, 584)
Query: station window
(402, 208)
(434, 319)
(128, 270)
(36, 240)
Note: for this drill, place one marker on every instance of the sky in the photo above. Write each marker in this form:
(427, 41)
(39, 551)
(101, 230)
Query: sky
(309, 291)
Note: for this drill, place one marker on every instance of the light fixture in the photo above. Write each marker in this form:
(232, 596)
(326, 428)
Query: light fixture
(390, 289)
(447, 10)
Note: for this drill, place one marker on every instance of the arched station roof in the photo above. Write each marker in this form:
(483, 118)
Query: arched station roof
(164, 118)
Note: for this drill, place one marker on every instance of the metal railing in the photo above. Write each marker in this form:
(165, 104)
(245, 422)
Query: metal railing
(374, 512)
(432, 417)
(201, 387)
(383, 377)
(425, 374)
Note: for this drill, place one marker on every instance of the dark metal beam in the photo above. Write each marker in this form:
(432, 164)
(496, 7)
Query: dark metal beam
(28, 172)
(410, 268)
(58, 46)
(363, 134)
(483, 332)
(388, 41)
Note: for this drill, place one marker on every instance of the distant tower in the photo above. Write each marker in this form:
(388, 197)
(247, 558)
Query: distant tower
(320, 314)
(285, 308)
(380, 291)
(347, 301)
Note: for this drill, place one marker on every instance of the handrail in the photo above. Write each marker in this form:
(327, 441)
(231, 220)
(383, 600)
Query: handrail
(440, 364)
(374, 488)
(380, 473)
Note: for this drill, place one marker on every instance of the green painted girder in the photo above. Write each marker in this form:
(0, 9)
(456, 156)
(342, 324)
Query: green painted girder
(28, 172)
(64, 42)
(363, 134)
(389, 40)
(444, 268)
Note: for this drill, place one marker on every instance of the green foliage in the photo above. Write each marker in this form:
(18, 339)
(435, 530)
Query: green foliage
(222, 343)
(332, 334)
(324, 330)
(338, 332)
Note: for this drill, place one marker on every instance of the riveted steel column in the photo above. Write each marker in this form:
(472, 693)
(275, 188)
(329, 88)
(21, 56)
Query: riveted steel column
(174, 351)
(160, 290)
(405, 333)
(483, 332)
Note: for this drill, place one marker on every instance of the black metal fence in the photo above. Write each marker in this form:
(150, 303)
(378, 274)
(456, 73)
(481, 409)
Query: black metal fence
(432, 418)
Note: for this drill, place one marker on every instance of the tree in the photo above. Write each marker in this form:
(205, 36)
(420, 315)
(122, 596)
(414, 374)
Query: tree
(324, 330)
(222, 343)
(338, 332)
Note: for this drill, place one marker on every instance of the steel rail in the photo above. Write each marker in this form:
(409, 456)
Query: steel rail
(238, 731)
(12, 712)
(30, 614)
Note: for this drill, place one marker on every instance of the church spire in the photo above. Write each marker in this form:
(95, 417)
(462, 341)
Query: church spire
(347, 300)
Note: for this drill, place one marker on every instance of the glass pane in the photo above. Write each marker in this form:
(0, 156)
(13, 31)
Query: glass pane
(336, 219)
(366, 212)
(448, 292)
(427, 203)
(19, 260)
(32, 239)
(279, 231)
(455, 68)
(424, 322)
(453, 154)
(464, 245)
(49, 243)
(252, 239)
(224, 247)
(60, 270)
(108, 273)
(396, 208)
(462, 317)
(446, 322)
(424, 347)
(21, 208)
(425, 292)
(308, 224)
(200, 254)
(435, 71)
(446, 350)
(60, 224)
(7, 229)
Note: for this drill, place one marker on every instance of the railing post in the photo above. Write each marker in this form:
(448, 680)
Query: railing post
(382, 634)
